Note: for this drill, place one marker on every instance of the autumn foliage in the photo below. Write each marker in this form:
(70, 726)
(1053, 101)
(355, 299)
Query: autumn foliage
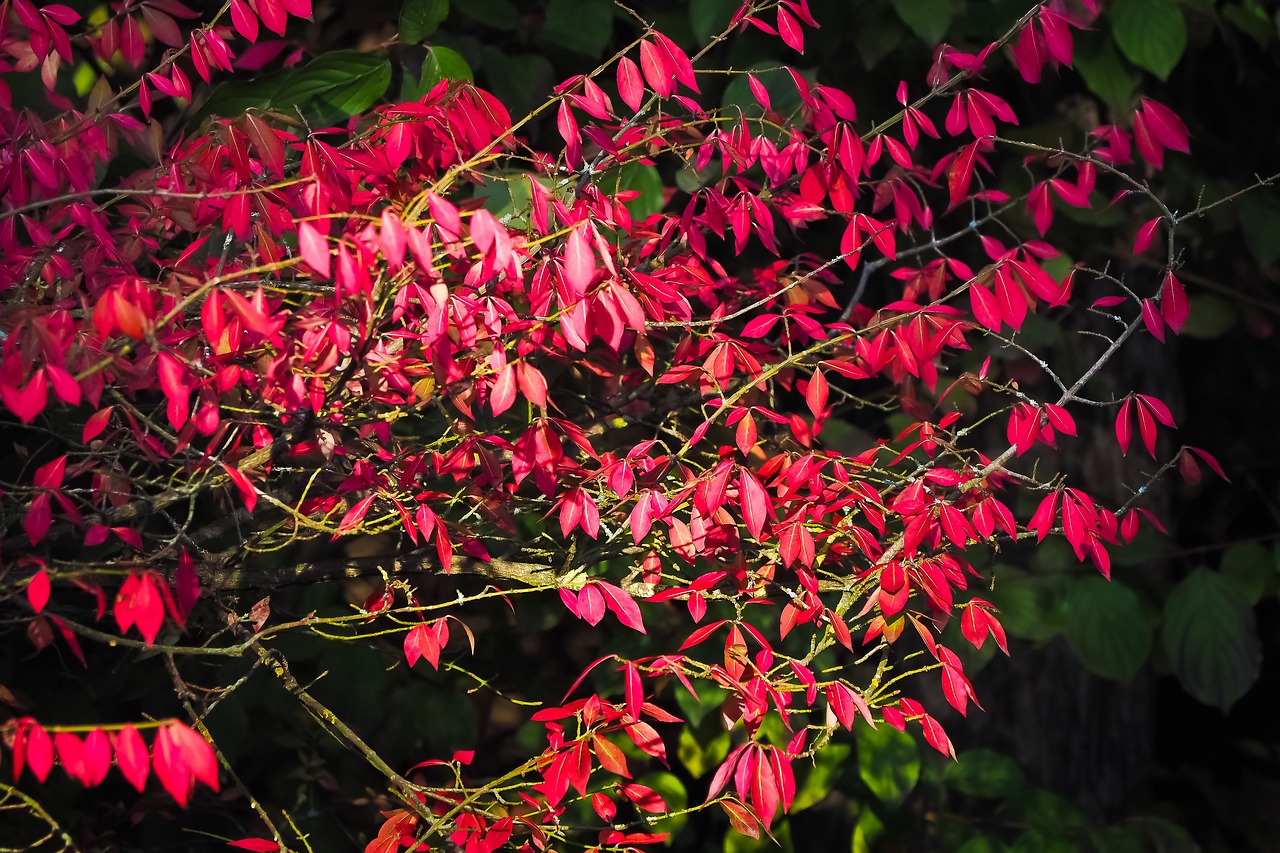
(233, 345)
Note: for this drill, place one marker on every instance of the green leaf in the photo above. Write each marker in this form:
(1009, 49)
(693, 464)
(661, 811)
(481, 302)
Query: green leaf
(1031, 606)
(1116, 839)
(637, 177)
(1164, 836)
(876, 34)
(333, 86)
(1104, 72)
(984, 773)
(865, 832)
(1251, 569)
(520, 79)
(1210, 317)
(1046, 812)
(815, 785)
(708, 17)
(700, 754)
(581, 26)
(499, 14)
(674, 794)
(1107, 628)
(441, 63)
(928, 19)
(1211, 636)
(1260, 220)
(420, 18)
(349, 83)
(888, 762)
(1150, 33)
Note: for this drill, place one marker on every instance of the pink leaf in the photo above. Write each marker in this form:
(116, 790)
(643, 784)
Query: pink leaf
(38, 590)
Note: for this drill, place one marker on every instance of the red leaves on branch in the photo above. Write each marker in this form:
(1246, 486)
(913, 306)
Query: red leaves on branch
(762, 779)
(1147, 411)
(181, 756)
(370, 341)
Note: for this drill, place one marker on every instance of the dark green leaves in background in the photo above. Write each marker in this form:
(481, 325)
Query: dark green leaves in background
(420, 18)
(1107, 628)
(1210, 635)
(1151, 33)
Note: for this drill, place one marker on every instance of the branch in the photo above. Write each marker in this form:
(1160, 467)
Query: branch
(422, 561)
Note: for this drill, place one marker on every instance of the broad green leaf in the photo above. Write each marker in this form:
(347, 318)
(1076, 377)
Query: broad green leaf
(888, 762)
(333, 86)
(1260, 220)
(441, 63)
(581, 26)
(1150, 33)
(1210, 317)
(865, 832)
(1251, 20)
(1031, 606)
(420, 18)
(1104, 72)
(701, 752)
(1211, 637)
(984, 773)
(1046, 812)
(1107, 628)
(1251, 569)
(636, 177)
(820, 779)
(876, 34)
(695, 708)
(1116, 839)
(708, 17)
(499, 14)
(1041, 841)
(519, 80)
(981, 844)
(928, 19)
(1164, 836)
(673, 793)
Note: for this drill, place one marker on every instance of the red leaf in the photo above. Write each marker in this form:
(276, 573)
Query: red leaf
(960, 175)
(131, 757)
(139, 603)
(654, 67)
(247, 492)
(29, 400)
(1124, 429)
(503, 393)
(1146, 234)
(256, 845)
(1152, 319)
(790, 31)
(622, 605)
(579, 264)
(314, 248)
(630, 86)
(1173, 303)
(70, 751)
(37, 751)
(96, 423)
(38, 590)
(754, 501)
(181, 757)
(936, 737)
